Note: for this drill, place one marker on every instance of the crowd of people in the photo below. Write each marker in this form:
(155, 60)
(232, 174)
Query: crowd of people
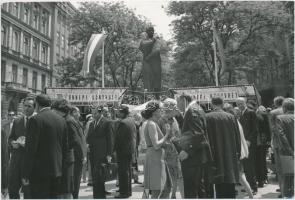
(47, 150)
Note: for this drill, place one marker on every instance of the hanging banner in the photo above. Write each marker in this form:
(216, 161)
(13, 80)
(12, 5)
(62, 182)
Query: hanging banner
(87, 96)
(228, 93)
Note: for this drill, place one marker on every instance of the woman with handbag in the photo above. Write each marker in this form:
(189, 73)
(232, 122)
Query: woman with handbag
(156, 174)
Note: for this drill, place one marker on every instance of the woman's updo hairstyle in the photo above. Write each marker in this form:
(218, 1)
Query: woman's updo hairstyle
(150, 108)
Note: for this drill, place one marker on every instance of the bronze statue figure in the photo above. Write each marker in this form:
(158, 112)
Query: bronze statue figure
(150, 47)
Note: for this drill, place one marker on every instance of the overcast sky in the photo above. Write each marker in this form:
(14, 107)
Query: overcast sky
(153, 10)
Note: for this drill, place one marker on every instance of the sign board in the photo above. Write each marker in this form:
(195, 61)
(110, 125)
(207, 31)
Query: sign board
(228, 93)
(87, 96)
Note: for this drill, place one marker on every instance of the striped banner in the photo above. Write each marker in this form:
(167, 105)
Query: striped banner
(92, 49)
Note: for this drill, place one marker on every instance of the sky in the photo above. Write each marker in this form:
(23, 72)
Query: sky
(154, 11)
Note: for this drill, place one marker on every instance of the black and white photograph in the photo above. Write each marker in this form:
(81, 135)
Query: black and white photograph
(147, 99)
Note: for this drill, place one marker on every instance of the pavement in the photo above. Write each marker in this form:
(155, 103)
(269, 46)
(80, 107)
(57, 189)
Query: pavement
(267, 192)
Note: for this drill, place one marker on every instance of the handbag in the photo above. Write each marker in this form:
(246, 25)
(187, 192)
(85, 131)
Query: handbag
(287, 165)
(109, 171)
(189, 140)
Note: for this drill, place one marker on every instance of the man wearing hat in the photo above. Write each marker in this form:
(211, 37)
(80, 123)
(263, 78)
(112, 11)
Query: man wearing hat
(125, 148)
(100, 145)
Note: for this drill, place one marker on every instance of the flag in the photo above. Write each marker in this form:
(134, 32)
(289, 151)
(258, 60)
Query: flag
(92, 49)
(220, 48)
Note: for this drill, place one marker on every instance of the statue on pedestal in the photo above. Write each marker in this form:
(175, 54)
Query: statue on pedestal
(152, 70)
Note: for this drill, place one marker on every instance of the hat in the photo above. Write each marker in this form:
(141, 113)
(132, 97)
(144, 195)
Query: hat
(124, 109)
(97, 107)
(88, 116)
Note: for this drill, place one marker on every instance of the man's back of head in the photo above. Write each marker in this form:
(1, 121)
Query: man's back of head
(278, 101)
(43, 100)
(217, 102)
(288, 105)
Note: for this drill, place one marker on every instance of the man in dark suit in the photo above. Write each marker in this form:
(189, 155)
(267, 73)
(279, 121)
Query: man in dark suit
(100, 145)
(45, 150)
(249, 123)
(80, 151)
(278, 102)
(4, 164)
(285, 135)
(197, 157)
(16, 142)
(125, 149)
(224, 139)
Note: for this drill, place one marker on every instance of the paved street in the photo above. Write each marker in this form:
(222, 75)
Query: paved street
(267, 192)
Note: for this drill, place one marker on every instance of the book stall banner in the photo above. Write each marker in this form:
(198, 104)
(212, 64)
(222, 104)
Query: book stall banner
(228, 93)
(87, 96)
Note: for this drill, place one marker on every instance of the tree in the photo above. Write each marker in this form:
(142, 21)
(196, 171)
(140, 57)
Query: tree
(244, 32)
(122, 56)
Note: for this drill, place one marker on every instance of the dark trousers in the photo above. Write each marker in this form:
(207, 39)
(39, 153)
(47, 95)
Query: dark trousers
(225, 191)
(125, 173)
(97, 177)
(192, 181)
(260, 163)
(249, 167)
(45, 188)
(15, 182)
(78, 166)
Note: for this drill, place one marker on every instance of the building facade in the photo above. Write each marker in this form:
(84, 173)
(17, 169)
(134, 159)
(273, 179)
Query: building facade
(34, 37)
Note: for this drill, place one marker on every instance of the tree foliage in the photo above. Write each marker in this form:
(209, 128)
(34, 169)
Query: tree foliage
(122, 57)
(248, 32)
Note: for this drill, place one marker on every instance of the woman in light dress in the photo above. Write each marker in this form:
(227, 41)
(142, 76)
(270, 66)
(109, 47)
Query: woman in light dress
(156, 175)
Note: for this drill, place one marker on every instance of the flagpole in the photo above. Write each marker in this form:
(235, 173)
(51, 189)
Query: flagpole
(102, 66)
(215, 56)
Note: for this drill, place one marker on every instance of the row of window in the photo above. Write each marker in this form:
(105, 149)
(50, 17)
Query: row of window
(26, 46)
(24, 76)
(30, 13)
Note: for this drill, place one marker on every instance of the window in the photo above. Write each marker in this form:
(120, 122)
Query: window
(27, 15)
(26, 47)
(3, 70)
(15, 40)
(14, 73)
(36, 16)
(43, 81)
(44, 23)
(15, 9)
(4, 6)
(44, 53)
(4, 35)
(35, 49)
(34, 81)
(62, 41)
(25, 77)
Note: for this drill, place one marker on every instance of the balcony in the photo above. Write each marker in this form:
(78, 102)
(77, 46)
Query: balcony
(16, 87)
(33, 90)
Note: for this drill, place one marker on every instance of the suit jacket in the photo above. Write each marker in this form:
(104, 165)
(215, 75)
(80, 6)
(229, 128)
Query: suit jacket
(224, 138)
(272, 122)
(4, 160)
(46, 145)
(285, 133)
(5, 126)
(125, 142)
(99, 138)
(249, 123)
(18, 129)
(195, 121)
(77, 142)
